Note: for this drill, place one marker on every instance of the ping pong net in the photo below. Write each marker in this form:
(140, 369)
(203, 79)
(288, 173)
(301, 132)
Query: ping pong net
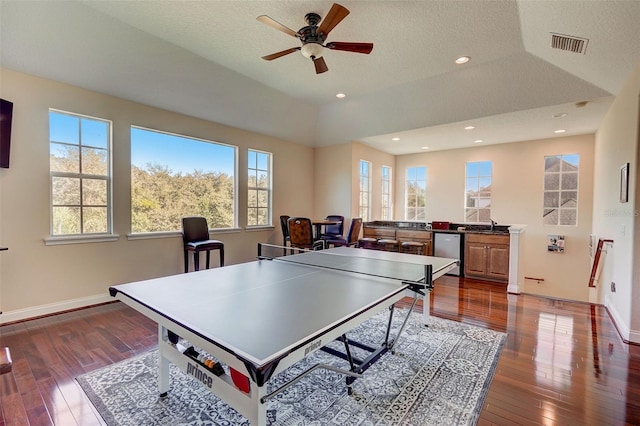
(418, 276)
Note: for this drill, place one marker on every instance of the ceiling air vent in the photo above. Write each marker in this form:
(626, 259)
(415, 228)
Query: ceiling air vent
(569, 43)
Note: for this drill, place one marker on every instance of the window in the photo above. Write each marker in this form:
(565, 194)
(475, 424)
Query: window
(561, 190)
(416, 193)
(80, 169)
(477, 204)
(387, 200)
(174, 176)
(365, 190)
(259, 188)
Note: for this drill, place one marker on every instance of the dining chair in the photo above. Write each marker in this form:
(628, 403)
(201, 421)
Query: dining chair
(333, 231)
(352, 235)
(195, 236)
(284, 225)
(301, 234)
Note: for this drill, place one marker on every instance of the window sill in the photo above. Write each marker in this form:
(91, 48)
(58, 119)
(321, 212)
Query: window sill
(153, 235)
(171, 234)
(80, 239)
(260, 228)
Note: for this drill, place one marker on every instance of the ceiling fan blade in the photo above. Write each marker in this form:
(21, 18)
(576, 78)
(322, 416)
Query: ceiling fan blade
(365, 48)
(279, 54)
(336, 14)
(275, 24)
(320, 64)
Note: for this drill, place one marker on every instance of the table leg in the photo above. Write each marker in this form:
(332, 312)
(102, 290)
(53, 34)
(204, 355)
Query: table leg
(163, 363)
(262, 407)
(428, 281)
(425, 307)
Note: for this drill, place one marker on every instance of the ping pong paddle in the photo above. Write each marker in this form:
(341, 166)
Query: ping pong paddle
(240, 380)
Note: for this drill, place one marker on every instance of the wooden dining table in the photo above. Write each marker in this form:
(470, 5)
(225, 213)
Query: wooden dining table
(319, 223)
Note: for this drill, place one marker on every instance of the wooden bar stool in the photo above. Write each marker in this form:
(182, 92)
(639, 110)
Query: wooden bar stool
(412, 247)
(5, 360)
(368, 243)
(388, 245)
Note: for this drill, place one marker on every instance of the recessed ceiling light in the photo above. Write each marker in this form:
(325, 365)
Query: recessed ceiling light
(478, 141)
(560, 115)
(395, 139)
(462, 60)
(425, 147)
(470, 127)
(340, 95)
(560, 131)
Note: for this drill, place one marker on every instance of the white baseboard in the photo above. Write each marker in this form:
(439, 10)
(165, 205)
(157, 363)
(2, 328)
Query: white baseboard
(623, 328)
(52, 308)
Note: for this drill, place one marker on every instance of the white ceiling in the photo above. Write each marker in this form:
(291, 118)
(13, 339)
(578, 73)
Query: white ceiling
(203, 58)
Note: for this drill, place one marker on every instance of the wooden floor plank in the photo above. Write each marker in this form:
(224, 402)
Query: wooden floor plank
(562, 362)
(13, 410)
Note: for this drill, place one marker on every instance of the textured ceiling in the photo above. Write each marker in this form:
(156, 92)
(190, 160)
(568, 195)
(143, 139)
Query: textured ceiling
(203, 59)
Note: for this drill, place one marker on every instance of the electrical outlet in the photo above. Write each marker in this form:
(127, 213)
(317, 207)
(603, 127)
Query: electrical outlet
(613, 287)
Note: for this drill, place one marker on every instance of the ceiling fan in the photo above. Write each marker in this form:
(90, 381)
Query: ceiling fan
(313, 37)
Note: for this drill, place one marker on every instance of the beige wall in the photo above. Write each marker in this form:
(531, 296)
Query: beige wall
(332, 181)
(617, 142)
(377, 160)
(518, 171)
(35, 278)
(337, 179)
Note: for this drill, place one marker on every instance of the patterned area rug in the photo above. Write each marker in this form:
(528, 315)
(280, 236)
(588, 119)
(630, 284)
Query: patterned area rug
(439, 375)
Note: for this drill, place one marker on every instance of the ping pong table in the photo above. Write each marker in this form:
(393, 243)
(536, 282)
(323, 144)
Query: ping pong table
(261, 317)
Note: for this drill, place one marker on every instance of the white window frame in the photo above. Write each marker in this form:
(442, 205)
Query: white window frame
(168, 232)
(481, 181)
(416, 182)
(562, 190)
(364, 193)
(387, 193)
(82, 237)
(269, 189)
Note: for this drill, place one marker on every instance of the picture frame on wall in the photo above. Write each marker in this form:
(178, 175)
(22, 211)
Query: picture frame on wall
(555, 243)
(624, 183)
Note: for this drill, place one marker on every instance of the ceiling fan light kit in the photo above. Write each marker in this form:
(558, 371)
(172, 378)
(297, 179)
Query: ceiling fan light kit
(312, 50)
(313, 37)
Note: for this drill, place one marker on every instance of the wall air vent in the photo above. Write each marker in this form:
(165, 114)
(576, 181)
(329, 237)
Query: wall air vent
(569, 43)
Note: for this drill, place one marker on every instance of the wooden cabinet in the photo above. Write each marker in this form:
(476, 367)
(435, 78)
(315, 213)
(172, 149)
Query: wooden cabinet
(487, 256)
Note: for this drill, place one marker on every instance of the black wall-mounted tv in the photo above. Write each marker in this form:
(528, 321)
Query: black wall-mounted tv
(6, 115)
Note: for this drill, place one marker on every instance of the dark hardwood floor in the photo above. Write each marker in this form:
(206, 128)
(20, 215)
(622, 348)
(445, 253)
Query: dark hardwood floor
(563, 363)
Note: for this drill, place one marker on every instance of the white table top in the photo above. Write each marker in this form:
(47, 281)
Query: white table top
(262, 310)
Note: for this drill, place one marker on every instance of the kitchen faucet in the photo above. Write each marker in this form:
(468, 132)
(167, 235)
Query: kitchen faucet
(493, 223)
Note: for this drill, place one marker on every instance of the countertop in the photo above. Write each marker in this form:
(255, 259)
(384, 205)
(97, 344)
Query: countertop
(454, 228)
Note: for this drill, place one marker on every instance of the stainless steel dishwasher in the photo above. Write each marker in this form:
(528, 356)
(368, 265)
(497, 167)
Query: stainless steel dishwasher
(449, 245)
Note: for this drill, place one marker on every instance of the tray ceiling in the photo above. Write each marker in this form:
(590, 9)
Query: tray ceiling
(204, 59)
